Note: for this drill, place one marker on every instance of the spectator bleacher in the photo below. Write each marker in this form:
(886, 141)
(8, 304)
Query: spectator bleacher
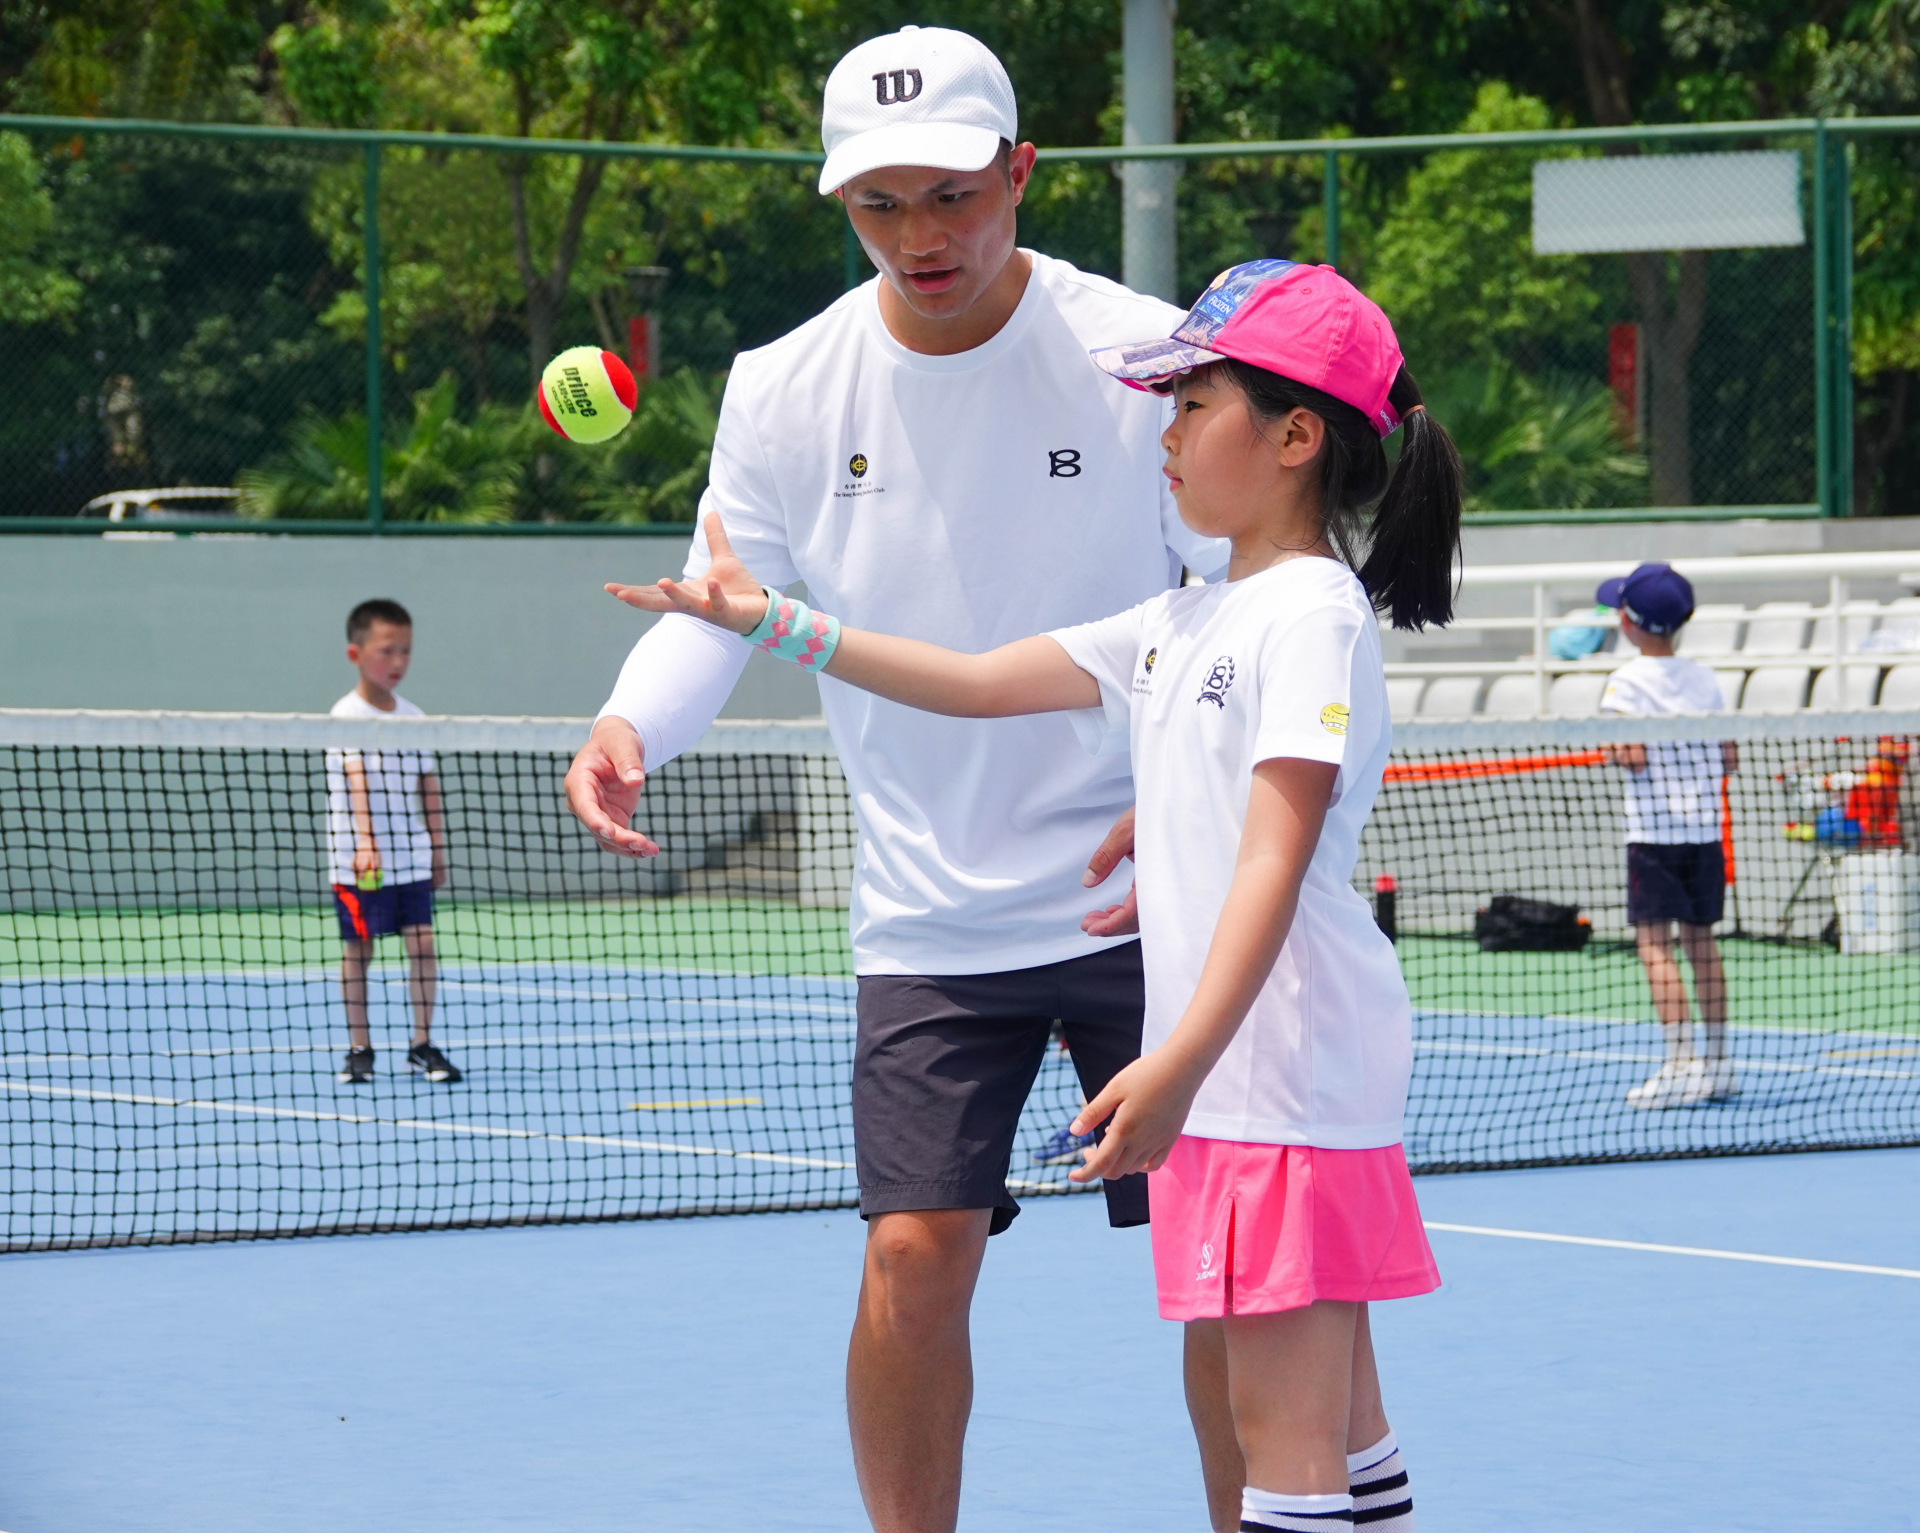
(1774, 656)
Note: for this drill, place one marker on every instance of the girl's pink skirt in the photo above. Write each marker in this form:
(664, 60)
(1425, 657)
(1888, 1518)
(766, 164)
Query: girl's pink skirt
(1248, 1229)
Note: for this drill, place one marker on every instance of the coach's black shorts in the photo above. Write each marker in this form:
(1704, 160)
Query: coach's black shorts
(943, 1064)
(1685, 882)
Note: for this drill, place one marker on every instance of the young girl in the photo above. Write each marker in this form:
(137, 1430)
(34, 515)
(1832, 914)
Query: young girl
(1278, 1040)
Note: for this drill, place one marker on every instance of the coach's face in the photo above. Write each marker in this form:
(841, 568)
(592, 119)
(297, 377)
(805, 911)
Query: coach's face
(940, 237)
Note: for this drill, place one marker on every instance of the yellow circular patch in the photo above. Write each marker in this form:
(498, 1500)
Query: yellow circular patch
(1333, 718)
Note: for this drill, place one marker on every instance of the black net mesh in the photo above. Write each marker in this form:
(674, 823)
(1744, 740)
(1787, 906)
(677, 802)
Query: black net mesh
(1535, 1027)
(674, 1037)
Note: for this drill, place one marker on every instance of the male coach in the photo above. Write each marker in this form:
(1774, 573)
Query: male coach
(936, 456)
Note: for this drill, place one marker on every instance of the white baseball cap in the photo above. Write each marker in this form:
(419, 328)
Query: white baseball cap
(919, 96)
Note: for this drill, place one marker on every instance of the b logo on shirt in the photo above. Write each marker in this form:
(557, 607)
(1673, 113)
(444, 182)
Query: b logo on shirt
(1219, 678)
(1333, 718)
(1063, 463)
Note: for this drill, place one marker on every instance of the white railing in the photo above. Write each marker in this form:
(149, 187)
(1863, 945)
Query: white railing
(1835, 571)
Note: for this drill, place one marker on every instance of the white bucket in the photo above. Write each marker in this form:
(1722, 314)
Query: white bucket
(1878, 896)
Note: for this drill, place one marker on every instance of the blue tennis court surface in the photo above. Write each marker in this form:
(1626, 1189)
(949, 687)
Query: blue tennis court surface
(207, 1102)
(685, 1376)
(161, 1105)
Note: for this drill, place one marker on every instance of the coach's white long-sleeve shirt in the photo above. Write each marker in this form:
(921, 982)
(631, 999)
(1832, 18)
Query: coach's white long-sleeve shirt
(965, 500)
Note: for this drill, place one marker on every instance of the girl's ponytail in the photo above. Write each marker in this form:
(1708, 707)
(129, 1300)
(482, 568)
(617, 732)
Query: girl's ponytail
(1413, 543)
(1412, 540)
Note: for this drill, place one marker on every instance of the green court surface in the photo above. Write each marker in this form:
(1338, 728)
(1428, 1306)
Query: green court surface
(739, 936)
(1768, 985)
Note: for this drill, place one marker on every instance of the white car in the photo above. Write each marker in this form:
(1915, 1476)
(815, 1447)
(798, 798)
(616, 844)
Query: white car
(185, 503)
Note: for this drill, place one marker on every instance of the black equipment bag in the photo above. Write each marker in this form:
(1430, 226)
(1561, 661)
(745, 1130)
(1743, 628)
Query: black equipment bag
(1511, 923)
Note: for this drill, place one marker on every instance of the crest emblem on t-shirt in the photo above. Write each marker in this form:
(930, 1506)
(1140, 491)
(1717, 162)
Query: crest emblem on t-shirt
(857, 483)
(1219, 678)
(1143, 683)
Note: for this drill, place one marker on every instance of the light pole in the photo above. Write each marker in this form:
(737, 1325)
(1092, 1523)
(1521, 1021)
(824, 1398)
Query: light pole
(645, 284)
(1148, 238)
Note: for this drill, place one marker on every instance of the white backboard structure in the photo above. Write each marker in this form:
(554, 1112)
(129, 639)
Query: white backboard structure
(1667, 202)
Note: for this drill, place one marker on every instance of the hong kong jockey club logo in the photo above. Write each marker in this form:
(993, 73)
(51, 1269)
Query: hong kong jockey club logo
(857, 465)
(1152, 655)
(893, 86)
(1218, 680)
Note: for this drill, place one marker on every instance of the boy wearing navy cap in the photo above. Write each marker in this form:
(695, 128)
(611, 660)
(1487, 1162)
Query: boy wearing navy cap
(1676, 871)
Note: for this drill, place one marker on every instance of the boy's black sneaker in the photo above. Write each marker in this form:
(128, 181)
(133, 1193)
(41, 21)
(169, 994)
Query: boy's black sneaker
(431, 1063)
(358, 1069)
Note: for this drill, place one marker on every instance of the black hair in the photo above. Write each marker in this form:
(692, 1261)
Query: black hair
(1412, 535)
(379, 610)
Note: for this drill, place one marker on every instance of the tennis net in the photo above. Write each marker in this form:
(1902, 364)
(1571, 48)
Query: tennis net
(675, 1037)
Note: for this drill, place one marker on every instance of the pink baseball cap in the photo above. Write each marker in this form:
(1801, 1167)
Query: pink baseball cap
(1307, 323)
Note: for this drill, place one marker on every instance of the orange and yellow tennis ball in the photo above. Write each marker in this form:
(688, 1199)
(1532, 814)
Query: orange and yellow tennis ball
(587, 395)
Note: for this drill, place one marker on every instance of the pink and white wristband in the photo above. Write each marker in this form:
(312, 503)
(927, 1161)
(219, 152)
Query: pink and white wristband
(791, 630)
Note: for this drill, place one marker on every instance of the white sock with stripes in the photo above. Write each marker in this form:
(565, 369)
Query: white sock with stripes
(1260, 1509)
(1382, 1501)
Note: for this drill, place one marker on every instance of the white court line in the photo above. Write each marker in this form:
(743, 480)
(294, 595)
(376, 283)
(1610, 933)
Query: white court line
(1616, 1056)
(423, 1125)
(1577, 1019)
(390, 972)
(1642, 1245)
(551, 993)
(649, 1034)
(656, 1033)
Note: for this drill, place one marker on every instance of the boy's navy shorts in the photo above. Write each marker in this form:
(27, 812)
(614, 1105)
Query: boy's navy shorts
(1685, 882)
(383, 912)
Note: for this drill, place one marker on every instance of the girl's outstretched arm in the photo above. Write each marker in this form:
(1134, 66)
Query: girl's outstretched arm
(1027, 676)
(1149, 1100)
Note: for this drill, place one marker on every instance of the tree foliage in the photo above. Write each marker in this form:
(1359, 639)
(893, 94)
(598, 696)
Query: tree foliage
(1535, 441)
(1453, 259)
(215, 299)
(32, 285)
(434, 468)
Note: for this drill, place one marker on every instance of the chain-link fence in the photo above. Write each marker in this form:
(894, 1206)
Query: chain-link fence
(187, 308)
(1614, 321)
(197, 317)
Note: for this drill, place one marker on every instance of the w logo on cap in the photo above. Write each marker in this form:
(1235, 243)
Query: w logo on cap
(890, 86)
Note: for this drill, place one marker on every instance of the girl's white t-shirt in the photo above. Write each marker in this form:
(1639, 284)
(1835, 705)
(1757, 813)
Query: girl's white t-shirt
(967, 500)
(1203, 684)
(393, 799)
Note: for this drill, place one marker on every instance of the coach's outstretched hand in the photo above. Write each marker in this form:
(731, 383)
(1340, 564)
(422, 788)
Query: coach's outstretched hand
(727, 595)
(604, 785)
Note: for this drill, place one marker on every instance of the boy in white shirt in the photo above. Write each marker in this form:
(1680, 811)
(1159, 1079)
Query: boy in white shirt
(386, 843)
(1676, 870)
